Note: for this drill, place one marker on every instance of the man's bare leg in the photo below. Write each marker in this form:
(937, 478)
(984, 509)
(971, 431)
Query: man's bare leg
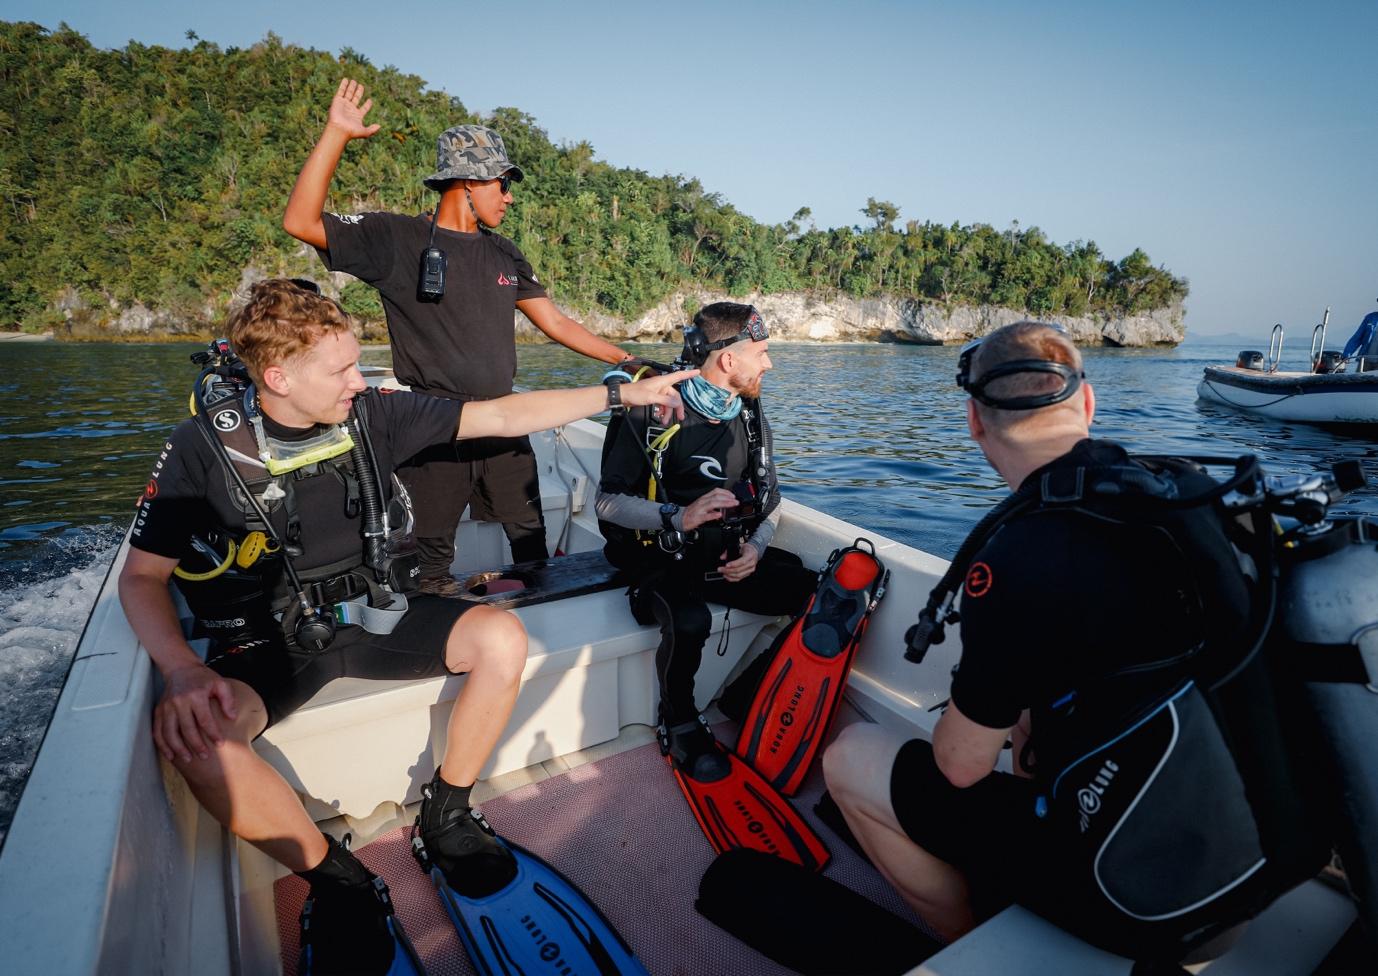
(857, 767)
(490, 645)
(242, 791)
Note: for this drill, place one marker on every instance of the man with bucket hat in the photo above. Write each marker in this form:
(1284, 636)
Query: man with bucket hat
(450, 287)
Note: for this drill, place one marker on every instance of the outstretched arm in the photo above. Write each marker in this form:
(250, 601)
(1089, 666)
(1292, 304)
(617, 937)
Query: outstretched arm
(525, 413)
(302, 218)
(546, 316)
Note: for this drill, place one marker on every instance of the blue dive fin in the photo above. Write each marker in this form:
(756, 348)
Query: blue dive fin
(539, 923)
(405, 961)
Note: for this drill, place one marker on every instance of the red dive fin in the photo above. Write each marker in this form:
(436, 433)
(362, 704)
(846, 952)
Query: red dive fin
(798, 696)
(736, 808)
(743, 810)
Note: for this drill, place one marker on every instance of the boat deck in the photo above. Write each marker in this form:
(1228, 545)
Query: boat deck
(612, 820)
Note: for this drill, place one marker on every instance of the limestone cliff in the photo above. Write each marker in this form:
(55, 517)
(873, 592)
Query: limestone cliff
(796, 317)
(792, 316)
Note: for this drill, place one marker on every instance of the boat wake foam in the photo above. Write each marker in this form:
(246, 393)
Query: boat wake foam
(40, 624)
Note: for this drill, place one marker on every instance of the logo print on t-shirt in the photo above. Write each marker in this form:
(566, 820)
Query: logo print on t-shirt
(710, 468)
(349, 218)
(979, 579)
(507, 279)
(226, 420)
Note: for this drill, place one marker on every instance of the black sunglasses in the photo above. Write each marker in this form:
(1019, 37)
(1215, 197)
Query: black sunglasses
(505, 184)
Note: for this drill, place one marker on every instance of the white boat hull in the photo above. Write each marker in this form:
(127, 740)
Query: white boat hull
(1333, 398)
(110, 866)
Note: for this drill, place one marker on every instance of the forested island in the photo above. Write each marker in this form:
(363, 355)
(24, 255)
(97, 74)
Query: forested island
(143, 186)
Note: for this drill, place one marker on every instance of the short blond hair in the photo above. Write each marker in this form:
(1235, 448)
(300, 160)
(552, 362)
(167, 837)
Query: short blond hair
(280, 321)
(1021, 340)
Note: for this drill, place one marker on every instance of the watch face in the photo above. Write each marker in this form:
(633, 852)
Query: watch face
(669, 508)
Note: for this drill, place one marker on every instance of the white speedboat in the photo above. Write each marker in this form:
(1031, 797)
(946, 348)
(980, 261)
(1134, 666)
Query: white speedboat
(110, 866)
(1334, 391)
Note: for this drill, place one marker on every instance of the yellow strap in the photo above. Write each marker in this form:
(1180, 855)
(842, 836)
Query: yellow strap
(658, 446)
(212, 574)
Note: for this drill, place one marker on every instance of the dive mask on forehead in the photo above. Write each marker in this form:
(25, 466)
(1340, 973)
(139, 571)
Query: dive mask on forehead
(697, 347)
(1071, 379)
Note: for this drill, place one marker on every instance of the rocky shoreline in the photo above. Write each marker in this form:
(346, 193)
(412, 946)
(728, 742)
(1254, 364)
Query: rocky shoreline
(796, 317)
(792, 317)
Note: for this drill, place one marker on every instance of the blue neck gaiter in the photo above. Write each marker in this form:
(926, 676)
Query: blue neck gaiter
(713, 402)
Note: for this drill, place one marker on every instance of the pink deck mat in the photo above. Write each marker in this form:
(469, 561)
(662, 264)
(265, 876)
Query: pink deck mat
(620, 829)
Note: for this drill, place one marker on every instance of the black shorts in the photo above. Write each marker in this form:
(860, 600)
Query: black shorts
(286, 677)
(988, 831)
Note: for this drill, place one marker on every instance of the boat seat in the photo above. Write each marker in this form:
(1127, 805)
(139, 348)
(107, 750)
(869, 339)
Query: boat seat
(590, 671)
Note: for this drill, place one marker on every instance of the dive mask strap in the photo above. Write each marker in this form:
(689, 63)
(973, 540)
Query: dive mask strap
(1071, 382)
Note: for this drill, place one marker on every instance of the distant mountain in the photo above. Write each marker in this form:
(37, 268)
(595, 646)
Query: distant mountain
(141, 187)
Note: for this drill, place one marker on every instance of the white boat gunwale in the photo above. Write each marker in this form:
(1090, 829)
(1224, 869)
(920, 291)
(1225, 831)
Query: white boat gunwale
(144, 881)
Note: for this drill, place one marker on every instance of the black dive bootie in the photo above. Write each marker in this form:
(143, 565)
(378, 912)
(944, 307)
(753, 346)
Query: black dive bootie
(460, 843)
(344, 922)
(693, 748)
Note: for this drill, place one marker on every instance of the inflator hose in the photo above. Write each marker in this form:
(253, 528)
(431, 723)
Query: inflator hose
(370, 501)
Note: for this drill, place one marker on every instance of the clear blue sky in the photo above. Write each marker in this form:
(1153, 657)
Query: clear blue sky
(1235, 142)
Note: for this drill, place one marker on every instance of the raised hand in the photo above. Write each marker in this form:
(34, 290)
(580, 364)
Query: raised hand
(346, 114)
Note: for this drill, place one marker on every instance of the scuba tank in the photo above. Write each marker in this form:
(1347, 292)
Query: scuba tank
(1328, 614)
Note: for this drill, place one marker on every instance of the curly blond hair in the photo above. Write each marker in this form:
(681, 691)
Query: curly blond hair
(281, 320)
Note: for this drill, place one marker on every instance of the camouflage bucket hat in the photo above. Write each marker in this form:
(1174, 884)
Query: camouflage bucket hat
(470, 152)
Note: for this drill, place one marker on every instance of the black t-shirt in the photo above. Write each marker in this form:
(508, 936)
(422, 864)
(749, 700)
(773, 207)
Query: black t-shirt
(701, 456)
(1056, 596)
(463, 346)
(190, 491)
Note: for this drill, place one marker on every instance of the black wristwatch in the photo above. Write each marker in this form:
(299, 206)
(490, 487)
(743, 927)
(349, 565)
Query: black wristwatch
(613, 381)
(668, 511)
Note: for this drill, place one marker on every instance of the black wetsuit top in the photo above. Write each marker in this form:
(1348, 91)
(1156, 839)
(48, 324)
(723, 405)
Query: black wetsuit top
(462, 347)
(701, 456)
(189, 491)
(1056, 596)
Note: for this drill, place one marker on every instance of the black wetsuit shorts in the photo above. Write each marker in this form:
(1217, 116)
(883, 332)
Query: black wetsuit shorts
(286, 677)
(987, 831)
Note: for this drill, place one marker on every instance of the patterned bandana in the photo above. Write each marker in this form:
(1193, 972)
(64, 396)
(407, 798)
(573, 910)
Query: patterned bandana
(713, 402)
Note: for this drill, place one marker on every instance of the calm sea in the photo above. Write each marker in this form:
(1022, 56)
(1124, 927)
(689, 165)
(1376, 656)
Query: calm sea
(874, 434)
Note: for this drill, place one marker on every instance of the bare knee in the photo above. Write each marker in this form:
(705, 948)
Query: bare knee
(858, 767)
(839, 759)
(236, 736)
(488, 641)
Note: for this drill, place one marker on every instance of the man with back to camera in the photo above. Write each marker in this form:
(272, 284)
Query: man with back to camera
(698, 527)
(450, 317)
(1051, 598)
(302, 358)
